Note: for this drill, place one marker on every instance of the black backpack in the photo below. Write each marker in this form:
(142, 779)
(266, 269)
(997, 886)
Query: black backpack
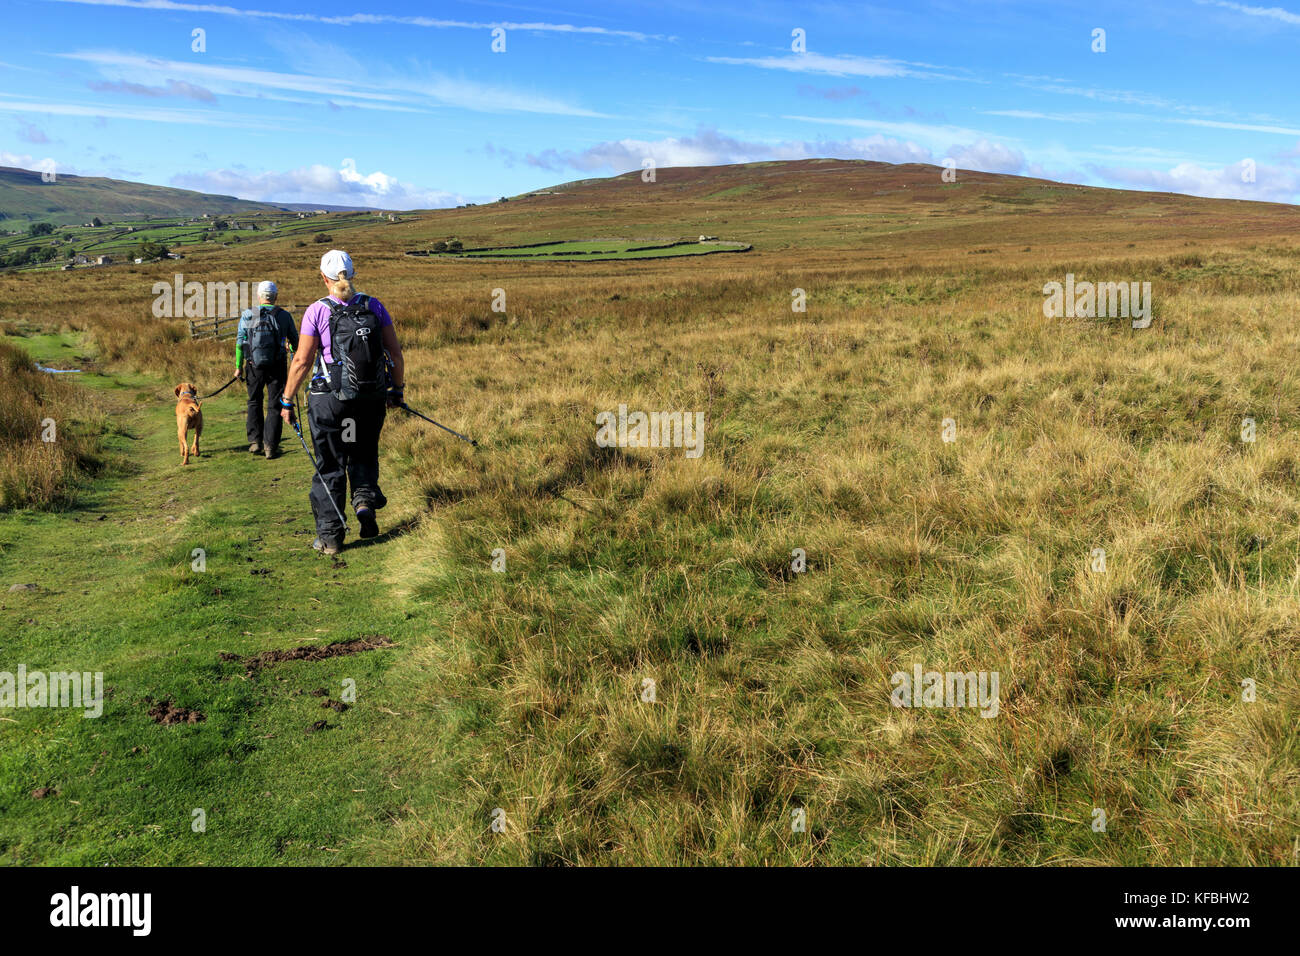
(357, 347)
(264, 346)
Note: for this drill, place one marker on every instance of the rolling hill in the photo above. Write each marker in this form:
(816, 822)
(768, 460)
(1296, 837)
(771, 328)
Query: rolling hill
(76, 199)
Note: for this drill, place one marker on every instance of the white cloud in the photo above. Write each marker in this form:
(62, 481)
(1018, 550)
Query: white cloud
(19, 160)
(1272, 183)
(344, 186)
(708, 147)
(988, 157)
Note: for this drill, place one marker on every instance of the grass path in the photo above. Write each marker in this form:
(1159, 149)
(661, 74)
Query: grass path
(117, 594)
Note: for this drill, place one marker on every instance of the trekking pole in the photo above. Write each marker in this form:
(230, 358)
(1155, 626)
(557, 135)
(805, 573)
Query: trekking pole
(298, 428)
(407, 408)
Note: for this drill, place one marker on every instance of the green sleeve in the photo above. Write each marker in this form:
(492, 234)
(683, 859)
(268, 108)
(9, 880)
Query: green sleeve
(290, 330)
(239, 356)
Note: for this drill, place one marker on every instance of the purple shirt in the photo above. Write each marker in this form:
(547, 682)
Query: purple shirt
(316, 321)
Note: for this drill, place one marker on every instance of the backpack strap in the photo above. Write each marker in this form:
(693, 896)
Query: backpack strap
(322, 370)
(362, 301)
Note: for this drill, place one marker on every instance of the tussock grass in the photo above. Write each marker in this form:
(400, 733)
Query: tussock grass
(35, 473)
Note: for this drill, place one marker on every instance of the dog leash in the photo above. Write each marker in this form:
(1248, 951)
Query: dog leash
(221, 389)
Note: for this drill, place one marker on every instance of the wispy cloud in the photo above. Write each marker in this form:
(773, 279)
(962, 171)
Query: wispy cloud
(836, 65)
(173, 88)
(1248, 127)
(32, 134)
(434, 89)
(1035, 115)
(188, 117)
(922, 131)
(1182, 111)
(355, 19)
(1271, 13)
(836, 93)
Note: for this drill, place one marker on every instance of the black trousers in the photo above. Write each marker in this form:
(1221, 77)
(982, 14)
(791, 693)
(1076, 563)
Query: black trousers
(346, 438)
(270, 379)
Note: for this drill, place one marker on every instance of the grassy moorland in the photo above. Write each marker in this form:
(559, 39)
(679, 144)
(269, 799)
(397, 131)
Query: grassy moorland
(1120, 691)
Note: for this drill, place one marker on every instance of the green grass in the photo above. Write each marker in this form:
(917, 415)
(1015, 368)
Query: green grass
(118, 595)
(599, 250)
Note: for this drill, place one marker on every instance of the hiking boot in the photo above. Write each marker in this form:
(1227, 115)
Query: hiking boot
(327, 545)
(272, 451)
(366, 517)
(255, 448)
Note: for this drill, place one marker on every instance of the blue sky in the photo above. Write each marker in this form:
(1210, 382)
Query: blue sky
(403, 105)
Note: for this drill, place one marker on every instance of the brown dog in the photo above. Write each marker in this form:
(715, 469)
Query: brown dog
(188, 413)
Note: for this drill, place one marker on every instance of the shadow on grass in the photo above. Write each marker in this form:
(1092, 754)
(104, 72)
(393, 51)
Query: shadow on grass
(402, 527)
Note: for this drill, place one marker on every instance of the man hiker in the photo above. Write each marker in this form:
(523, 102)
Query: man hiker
(260, 345)
(345, 335)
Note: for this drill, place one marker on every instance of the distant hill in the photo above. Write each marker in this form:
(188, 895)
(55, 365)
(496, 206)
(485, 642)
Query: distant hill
(886, 211)
(75, 199)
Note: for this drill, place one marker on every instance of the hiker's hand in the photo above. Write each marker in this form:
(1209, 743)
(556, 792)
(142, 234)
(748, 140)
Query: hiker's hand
(395, 399)
(239, 372)
(287, 414)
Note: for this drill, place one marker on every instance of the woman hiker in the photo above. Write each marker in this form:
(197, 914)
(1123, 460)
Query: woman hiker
(345, 335)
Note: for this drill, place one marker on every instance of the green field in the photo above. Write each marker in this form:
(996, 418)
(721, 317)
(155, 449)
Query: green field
(595, 250)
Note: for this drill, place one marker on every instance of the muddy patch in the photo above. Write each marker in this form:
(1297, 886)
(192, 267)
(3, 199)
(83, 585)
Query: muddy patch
(309, 652)
(167, 713)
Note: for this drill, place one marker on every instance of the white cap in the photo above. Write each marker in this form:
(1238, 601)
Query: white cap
(336, 264)
(266, 288)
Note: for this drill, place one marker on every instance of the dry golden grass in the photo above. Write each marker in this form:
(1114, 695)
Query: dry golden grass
(34, 472)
